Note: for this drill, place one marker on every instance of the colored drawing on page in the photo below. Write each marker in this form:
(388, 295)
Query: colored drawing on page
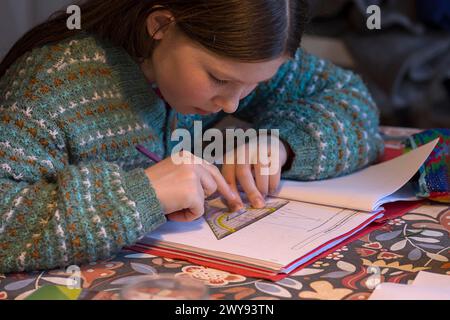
(223, 222)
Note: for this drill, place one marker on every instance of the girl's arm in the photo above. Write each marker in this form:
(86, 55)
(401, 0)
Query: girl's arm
(53, 214)
(325, 115)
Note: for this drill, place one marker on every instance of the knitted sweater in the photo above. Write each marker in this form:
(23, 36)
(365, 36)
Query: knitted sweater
(72, 185)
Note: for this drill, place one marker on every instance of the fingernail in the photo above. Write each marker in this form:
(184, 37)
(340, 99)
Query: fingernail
(259, 202)
(237, 206)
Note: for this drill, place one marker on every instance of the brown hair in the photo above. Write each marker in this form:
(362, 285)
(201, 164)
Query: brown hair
(247, 30)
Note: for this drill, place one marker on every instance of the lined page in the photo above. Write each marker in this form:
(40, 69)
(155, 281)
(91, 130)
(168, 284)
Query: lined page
(281, 237)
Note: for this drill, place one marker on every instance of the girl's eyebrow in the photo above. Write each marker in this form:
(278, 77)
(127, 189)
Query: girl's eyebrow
(225, 77)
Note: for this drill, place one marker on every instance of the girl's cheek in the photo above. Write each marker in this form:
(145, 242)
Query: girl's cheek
(247, 91)
(198, 91)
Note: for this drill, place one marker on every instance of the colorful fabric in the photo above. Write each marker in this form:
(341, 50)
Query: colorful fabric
(72, 184)
(434, 175)
(394, 253)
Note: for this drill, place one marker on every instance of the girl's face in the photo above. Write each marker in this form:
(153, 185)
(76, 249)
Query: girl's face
(194, 81)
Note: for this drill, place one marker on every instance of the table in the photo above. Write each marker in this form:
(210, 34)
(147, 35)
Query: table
(417, 241)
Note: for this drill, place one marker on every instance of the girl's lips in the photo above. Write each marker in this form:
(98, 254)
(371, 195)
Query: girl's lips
(201, 111)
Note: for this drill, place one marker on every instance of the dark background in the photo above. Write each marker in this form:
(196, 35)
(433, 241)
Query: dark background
(406, 63)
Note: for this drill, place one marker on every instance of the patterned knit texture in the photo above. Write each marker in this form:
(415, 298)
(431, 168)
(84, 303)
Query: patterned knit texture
(72, 185)
(434, 175)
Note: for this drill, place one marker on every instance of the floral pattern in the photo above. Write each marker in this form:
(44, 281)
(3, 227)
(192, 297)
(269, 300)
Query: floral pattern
(417, 241)
(395, 253)
(209, 276)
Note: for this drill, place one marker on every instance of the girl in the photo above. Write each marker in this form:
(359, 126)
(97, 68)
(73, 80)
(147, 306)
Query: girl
(75, 103)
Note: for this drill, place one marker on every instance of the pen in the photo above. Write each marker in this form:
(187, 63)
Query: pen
(148, 153)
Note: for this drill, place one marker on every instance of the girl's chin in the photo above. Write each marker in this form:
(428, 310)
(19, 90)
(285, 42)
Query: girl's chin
(184, 111)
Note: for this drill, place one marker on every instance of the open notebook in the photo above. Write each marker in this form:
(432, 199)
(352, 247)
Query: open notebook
(317, 217)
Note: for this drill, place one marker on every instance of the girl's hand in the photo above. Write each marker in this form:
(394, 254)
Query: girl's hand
(253, 175)
(182, 188)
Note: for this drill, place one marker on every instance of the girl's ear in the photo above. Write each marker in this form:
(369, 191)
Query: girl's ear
(158, 23)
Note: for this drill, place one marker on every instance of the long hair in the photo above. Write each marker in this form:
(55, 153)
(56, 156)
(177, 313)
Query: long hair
(244, 30)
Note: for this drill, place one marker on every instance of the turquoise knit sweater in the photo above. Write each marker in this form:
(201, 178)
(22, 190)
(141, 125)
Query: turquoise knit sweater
(72, 185)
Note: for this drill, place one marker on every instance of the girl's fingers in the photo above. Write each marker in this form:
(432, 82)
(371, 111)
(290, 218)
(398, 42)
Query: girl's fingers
(262, 180)
(245, 178)
(196, 206)
(274, 182)
(229, 174)
(222, 186)
(209, 185)
(180, 216)
(184, 215)
(195, 210)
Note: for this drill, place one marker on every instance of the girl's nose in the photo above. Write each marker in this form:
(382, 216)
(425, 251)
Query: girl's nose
(230, 103)
(230, 107)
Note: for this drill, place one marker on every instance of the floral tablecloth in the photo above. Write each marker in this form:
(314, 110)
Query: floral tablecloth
(417, 241)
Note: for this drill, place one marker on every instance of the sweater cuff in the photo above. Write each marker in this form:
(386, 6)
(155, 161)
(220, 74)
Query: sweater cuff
(304, 147)
(139, 188)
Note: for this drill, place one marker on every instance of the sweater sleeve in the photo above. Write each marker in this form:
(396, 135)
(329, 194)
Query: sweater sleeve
(53, 214)
(324, 113)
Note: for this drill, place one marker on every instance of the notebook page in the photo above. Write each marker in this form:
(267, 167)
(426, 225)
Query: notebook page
(397, 291)
(431, 279)
(281, 237)
(330, 245)
(363, 190)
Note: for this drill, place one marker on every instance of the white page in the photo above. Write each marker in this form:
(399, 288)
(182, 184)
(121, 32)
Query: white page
(396, 291)
(328, 246)
(430, 279)
(281, 237)
(362, 190)
(405, 193)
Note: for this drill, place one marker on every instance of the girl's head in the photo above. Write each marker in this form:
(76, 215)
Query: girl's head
(203, 54)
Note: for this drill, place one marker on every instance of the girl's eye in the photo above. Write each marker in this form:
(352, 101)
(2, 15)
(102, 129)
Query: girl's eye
(218, 81)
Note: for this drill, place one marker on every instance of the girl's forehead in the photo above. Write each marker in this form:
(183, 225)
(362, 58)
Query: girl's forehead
(201, 52)
(227, 67)
(210, 56)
